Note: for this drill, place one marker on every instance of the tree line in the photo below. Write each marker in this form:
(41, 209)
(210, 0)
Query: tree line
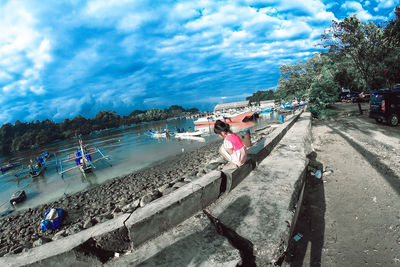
(360, 56)
(26, 135)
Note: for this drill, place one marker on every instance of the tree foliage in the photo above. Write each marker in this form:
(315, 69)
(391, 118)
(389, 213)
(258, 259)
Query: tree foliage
(360, 56)
(26, 135)
(261, 96)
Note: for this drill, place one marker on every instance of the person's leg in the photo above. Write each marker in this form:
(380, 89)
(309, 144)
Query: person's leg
(224, 153)
(228, 157)
(229, 165)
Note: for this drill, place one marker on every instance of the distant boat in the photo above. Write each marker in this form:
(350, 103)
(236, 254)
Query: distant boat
(38, 168)
(228, 118)
(9, 166)
(159, 134)
(188, 134)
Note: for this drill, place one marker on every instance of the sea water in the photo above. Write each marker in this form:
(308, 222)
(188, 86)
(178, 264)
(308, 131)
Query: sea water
(130, 149)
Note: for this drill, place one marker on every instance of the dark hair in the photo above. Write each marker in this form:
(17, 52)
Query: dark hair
(221, 126)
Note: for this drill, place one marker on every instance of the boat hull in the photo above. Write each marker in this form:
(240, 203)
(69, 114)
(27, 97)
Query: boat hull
(243, 117)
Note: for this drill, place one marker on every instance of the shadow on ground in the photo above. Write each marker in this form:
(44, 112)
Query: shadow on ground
(311, 221)
(386, 172)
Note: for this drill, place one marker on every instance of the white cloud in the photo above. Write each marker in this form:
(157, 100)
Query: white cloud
(25, 50)
(353, 7)
(291, 29)
(385, 4)
(5, 77)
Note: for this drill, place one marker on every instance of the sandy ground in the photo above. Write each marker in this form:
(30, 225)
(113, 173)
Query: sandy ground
(351, 216)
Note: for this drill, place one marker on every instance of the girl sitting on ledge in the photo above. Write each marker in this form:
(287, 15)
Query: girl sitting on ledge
(233, 149)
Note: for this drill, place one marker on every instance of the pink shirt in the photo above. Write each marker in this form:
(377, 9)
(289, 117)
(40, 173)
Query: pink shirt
(239, 151)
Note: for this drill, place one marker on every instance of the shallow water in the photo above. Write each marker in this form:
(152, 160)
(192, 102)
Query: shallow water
(129, 148)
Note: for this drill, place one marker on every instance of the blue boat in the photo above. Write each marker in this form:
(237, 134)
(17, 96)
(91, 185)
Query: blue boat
(9, 166)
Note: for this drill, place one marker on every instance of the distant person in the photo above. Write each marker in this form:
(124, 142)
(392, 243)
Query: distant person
(233, 149)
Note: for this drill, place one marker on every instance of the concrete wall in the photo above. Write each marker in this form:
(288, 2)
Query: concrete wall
(164, 213)
(96, 244)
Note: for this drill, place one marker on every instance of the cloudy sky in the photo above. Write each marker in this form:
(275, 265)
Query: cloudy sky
(59, 59)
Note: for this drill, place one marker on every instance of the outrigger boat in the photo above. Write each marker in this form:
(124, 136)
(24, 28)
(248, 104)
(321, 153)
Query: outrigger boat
(9, 166)
(83, 158)
(35, 170)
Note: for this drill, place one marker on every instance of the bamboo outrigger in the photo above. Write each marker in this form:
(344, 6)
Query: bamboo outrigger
(83, 159)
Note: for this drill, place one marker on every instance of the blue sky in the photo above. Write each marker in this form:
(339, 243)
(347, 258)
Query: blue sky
(59, 59)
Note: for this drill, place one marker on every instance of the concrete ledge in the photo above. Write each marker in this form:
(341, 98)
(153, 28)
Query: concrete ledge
(231, 178)
(61, 252)
(263, 148)
(164, 213)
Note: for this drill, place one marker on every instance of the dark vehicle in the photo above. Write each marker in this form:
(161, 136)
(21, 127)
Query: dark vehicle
(385, 106)
(18, 197)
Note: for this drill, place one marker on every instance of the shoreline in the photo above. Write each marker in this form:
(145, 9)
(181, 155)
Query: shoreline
(21, 230)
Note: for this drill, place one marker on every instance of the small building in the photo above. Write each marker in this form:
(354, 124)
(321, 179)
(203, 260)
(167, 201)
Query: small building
(233, 105)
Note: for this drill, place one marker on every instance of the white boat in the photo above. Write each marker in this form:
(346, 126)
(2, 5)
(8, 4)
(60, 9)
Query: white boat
(209, 120)
(188, 134)
(159, 134)
(194, 138)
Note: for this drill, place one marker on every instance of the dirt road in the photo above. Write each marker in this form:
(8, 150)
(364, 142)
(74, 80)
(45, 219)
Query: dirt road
(351, 216)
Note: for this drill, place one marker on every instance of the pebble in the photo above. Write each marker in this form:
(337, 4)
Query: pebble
(88, 223)
(146, 200)
(40, 242)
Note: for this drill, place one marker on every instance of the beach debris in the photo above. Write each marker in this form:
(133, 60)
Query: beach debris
(328, 171)
(297, 237)
(52, 219)
(281, 119)
(374, 199)
(317, 174)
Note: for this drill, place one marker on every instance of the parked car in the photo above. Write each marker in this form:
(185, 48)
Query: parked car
(385, 106)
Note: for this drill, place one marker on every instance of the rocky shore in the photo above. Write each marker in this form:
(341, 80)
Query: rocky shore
(123, 194)
(21, 231)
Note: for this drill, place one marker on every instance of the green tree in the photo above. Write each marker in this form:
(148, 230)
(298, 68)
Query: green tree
(362, 43)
